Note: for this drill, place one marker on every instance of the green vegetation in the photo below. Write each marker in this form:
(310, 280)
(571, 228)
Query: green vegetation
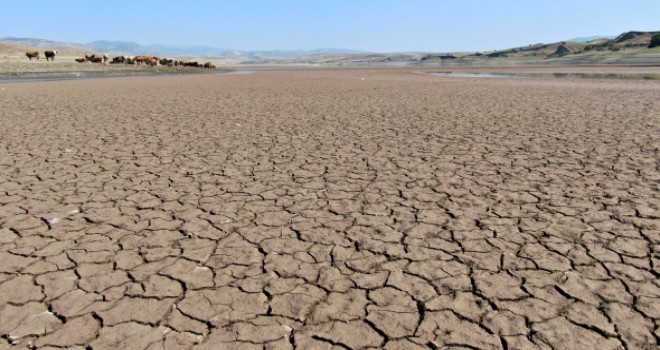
(588, 48)
(655, 41)
(615, 47)
(653, 50)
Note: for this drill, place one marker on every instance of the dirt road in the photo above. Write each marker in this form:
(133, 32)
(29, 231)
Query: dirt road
(336, 209)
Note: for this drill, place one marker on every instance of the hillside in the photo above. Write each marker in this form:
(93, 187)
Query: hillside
(10, 48)
(630, 40)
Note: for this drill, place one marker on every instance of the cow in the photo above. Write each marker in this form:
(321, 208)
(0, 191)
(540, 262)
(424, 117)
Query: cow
(144, 59)
(118, 60)
(209, 65)
(50, 55)
(153, 62)
(32, 54)
(166, 62)
(81, 60)
(94, 58)
(129, 60)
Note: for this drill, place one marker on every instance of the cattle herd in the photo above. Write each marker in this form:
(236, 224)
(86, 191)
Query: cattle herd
(138, 60)
(50, 55)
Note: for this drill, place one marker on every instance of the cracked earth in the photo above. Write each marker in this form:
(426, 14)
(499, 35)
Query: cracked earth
(336, 209)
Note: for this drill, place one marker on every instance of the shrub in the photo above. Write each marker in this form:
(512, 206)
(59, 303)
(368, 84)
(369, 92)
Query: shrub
(655, 41)
(615, 47)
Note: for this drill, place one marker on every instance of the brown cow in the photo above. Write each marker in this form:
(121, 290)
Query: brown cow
(50, 55)
(81, 60)
(144, 59)
(32, 54)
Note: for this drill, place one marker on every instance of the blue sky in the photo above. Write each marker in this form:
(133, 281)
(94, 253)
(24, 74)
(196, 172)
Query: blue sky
(371, 25)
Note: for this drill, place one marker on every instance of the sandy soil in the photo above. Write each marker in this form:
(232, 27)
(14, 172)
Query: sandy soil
(333, 209)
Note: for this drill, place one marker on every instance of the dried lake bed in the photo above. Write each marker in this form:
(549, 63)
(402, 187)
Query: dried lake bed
(330, 209)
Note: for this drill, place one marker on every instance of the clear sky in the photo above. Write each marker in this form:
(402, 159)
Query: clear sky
(370, 25)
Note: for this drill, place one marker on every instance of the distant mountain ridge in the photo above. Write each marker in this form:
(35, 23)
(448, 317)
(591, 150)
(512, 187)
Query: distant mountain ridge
(584, 39)
(116, 47)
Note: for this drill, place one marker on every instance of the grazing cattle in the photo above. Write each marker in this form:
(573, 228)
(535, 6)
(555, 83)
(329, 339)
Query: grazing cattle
(32, 54)
(118, 60)
(129, 60)
(166, 62)
(191, 64)
(209, 65)
(144, 59)
(50, 55)
(153, 62)
(94, 58)
(81, 60)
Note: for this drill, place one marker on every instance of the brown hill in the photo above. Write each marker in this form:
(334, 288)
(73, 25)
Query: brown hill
(9, 50)
(631, 39)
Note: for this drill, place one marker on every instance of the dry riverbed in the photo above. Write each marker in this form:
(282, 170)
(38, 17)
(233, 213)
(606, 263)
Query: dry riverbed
(330, 209)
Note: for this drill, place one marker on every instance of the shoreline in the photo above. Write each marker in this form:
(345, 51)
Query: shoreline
(62, 77)
(65, 69)
(23, 72)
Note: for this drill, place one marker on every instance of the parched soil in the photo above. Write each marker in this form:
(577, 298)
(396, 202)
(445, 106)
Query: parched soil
(331, 209)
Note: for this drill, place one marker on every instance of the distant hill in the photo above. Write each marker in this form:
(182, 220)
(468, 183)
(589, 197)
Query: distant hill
(584, 39)
(38, 43)
(11, 46)
(114, 47)
(629, 40)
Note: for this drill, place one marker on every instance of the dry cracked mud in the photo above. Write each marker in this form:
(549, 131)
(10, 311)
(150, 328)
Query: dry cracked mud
(330, 209)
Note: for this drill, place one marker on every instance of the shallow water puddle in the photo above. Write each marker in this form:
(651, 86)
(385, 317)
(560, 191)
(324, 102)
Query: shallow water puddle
(645, 76)
(475, 75)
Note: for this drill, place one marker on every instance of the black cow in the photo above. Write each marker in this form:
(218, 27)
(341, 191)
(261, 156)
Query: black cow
(50, 55)
(166, 62)
(118, 60)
